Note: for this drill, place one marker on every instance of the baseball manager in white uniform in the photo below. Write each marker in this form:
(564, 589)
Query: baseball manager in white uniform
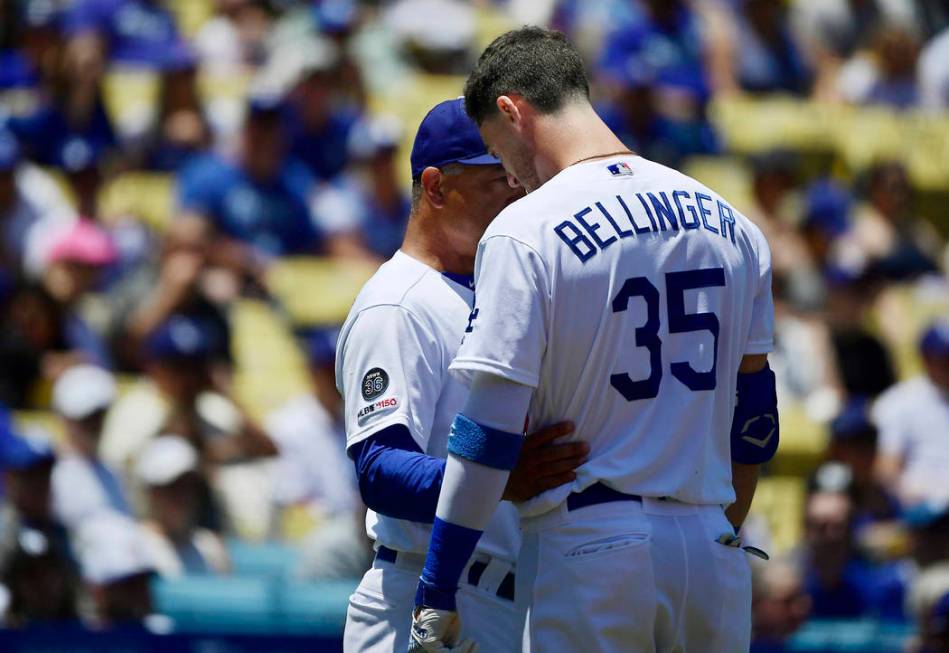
(636, 302)
(392, 370)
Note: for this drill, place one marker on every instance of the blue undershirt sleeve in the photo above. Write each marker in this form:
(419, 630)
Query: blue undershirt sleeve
(395, 478)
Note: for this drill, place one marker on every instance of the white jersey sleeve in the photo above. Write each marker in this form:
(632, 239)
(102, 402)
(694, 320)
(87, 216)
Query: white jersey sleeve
(393, 374)
(761, 332)
(888, 416)
(507, 330)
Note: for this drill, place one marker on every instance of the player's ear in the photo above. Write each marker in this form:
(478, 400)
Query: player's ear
(509, 110)
(432, 186)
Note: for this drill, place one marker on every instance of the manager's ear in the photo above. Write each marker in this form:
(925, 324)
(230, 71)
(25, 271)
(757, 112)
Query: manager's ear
(432, 186)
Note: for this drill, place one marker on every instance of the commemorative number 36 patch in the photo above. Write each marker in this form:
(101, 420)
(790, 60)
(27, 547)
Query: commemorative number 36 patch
(374, 383)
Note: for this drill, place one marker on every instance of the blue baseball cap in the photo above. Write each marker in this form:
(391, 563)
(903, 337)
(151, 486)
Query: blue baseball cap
(24, 451)
(447, 135)
(321, 345)
(9, 150)
(180, 338)
(935, 340)
(853, 422)
(827, 207)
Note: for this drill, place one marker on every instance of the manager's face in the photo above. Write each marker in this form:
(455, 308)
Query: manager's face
(479, 193)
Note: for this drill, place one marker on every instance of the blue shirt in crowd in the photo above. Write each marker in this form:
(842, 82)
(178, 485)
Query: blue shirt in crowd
(45, 133)
(138, 32)
(323, 152)
(272, 216)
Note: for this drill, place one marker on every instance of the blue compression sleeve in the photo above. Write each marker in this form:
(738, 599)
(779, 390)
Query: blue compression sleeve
(395, 478)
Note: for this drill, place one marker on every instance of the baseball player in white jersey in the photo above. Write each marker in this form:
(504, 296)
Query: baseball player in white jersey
(392, 371)
(637, 303)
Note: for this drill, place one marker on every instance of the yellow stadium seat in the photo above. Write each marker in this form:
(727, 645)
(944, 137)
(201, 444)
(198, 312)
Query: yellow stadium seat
(317, 291)
(269, 366)
(727, 176)
(779, 500)
(148, 196)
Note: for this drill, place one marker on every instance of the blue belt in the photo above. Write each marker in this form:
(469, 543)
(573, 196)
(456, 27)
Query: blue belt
(596, 494)
(475, 571)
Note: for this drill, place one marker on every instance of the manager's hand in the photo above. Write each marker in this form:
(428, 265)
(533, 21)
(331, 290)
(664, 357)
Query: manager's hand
(544, 463)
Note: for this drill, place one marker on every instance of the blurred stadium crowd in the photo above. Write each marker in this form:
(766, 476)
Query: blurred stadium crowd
(191, 192)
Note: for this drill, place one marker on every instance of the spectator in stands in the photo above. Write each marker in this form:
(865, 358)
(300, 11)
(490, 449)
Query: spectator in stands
(71, 109)
(79, 159)
(368, 208)
(319, 125)
(892, 239)
(779, 606)
(29, 47)
(312, 472)
(41, 586)
(131, 32)
(31, 208)
(775, 188)
(840, 583)
(836, 30)
(179, 280)
(440, 45)
(180, 130)
(934, 73)
(179, 371)
(83, 484)
(168, 470)
(913, 420)
(117, 569)
(33, 344)
(892, 81)
(339, 20)
(254, 208)
(27, 462)
(233, 41)
(656, 102)
(834, 588)
(758, 53)
(853, 443)
(929, 602)
(863, 367)
(36, 565)
(75, 262)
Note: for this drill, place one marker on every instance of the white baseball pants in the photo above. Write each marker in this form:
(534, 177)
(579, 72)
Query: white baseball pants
(635, 576)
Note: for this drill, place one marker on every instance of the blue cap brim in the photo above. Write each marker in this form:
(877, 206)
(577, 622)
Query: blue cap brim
(482, 160)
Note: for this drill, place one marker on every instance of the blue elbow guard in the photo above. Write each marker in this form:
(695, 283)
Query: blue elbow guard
(483, 444)
(755, 423)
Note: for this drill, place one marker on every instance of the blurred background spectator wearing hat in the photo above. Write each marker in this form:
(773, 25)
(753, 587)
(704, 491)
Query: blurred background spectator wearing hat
(117, 568)
(913, 420)
(168, 470)
(83, 484)
(37, 568)
(185, 397)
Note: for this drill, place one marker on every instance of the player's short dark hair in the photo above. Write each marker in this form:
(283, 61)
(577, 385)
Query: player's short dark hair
(541, 65)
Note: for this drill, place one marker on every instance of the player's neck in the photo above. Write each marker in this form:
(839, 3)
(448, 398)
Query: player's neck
(575, 133)
(426, 242)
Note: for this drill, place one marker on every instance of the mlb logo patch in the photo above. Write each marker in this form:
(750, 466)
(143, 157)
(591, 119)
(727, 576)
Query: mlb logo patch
(620, 169)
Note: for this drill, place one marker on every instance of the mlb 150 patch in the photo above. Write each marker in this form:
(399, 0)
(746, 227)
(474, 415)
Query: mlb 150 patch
(374, 383)
(378, 408)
